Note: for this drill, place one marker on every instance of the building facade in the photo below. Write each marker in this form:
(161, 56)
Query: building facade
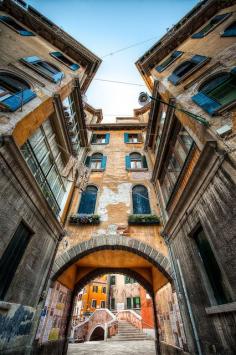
(191, 143)
(43, 74)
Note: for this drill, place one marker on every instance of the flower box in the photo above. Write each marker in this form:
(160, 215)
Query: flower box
(143, 219)
(80, 219)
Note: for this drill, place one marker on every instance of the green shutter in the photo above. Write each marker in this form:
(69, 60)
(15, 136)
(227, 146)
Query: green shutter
(87, 162)
(144, 162)
(107, 138)
(129, 303)
(104, 162)
(126, 137)
(127, 162)
(94, 138)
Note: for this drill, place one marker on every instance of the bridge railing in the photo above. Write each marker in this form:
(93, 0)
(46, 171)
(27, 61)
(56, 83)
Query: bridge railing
(130, 316)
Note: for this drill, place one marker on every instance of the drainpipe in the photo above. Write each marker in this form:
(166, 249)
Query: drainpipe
(197, 340)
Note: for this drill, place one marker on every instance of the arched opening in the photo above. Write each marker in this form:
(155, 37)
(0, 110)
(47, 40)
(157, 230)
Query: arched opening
(14, 92)
(98, 334)
(96, 161)
(114, 255)
(136, 161)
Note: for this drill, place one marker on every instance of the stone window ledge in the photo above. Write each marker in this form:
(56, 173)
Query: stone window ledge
(138, 170)
(223, 308)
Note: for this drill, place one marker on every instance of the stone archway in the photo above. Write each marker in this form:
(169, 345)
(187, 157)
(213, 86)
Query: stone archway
(98, 333)
(112, 242)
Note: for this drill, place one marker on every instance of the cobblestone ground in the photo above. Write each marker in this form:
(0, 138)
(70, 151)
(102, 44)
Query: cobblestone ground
(140, 347)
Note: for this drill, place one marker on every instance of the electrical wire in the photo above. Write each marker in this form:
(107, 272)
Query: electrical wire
(119, 82)
(128, 47)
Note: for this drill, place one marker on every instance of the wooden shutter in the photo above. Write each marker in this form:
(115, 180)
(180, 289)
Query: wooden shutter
(206, 103)
(144, 162)
(230, 31)
(94, 138)
(129, 303)
(107, 138)
(12, 256)
(197, 59)
(126, 137)
(87, 161)
(104, 162)
(173, 56)
(127, 162)
(14, 102)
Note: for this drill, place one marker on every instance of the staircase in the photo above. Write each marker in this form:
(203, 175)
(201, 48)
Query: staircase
(126, 331)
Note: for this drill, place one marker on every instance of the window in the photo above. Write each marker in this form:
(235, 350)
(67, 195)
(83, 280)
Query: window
(113, 304)
(211, 266)
(10, 22)
(96, 162)
(44, 159)
(12, 256)
(133, 138)
(129, 280)
(104, 290)
(214, 22)
(103, 304)
(72, 123)
(136, 302)
(95, 289)
(140, 200)
(175, 161)
(100, 138)
(46, 69)
(169, 61)
(94, 303)
(230, 31)
(112, 280)
(14, 92)
(88, 200)
(217, 92)
(63, 59)
(129, 303)
(187, 68)
(136, 161)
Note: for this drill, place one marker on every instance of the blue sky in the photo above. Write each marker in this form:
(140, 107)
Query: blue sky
(105, 26)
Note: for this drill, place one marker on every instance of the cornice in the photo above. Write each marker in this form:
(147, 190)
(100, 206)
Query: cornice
(54, 35)
(94, 111)
(116, 126)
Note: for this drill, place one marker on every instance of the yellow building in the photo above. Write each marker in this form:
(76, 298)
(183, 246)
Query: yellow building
(94, 295)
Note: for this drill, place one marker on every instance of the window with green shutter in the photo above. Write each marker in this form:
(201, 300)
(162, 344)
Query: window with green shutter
(217, 92)
(136, 302)
(112, 280)
(133, 138)
(88, 200)
(12, 256)
(129, 303)
(212, 24)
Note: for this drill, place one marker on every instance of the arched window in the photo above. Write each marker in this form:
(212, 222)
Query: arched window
(140, 198)
(88, 200)
(217, 92)
(96, 161)
(14, 92)
(230, 31)
(46, 69)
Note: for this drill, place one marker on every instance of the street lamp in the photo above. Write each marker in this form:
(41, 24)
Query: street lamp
(144, 98)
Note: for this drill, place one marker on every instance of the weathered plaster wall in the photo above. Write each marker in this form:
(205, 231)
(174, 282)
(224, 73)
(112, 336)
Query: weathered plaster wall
(114, 200)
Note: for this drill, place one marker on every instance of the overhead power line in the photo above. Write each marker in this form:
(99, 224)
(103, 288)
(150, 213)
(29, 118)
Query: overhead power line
(120, 82)
(128, 47)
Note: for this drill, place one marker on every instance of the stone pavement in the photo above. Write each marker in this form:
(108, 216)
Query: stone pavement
(140, 347)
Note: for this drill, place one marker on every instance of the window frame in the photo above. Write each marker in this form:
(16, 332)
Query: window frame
(176, 79)
(161, 67)
(224, 34)
(139, 138)
(73, 66)
(132, 199)
(143, 160)
(24, 32)
(29, 62)
(80, 200)
(103, 303)
(92, 301)
(208, 104)
(198, 35)
(95, 135)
